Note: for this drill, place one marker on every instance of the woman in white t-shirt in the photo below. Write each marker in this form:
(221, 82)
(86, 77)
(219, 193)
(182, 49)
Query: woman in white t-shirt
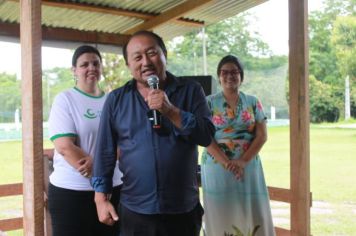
(73, 126)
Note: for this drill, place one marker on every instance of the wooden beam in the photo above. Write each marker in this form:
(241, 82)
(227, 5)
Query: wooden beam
(282, 231)
(113, 11)
(279, 194)
(63, 34)
(299, 117)
(32, 132)
(10, 224)
(68, 35)
(170, 15)
(10, 190)
(47, 170)
(11, 30)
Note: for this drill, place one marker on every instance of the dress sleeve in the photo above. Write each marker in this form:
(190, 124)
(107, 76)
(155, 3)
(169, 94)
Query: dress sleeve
(258, 110)
(61, 122)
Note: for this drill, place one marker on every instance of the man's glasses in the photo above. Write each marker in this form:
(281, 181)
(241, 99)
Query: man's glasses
(225, 73)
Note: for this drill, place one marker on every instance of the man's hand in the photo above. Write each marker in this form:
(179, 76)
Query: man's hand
(158, 100)
(106, 211)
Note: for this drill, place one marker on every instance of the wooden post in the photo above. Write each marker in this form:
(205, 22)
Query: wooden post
(32, 133)
(299, 117)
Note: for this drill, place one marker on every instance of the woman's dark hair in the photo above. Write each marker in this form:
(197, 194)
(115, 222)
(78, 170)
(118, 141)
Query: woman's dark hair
(234, 60)
(84, 49)
(155, 36)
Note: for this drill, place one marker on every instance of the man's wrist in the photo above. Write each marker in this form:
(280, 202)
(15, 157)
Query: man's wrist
(172, 112)
(101, 197)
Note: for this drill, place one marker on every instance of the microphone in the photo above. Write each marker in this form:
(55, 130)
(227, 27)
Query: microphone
(155, 118)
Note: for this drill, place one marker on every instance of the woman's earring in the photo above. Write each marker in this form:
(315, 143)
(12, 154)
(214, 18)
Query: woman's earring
(75, 79)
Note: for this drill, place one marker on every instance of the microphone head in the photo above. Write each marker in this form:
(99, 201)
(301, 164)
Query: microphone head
(153, 80)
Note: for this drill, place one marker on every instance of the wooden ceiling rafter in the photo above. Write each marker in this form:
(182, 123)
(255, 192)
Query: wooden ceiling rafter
(65, 34)
(114, 11)
(75, 35)
(169, 15)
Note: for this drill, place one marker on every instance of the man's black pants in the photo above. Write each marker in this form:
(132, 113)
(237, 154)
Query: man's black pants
(186, 224)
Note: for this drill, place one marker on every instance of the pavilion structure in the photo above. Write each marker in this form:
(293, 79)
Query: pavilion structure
(110, 22)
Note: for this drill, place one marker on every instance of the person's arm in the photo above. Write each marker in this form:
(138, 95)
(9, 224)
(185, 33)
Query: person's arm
(256, 144)
(197, 125)
(173, 114)
(104, 163)
(106, 211)
(63, 134)
(218, 154)
(74, 155)
(221, 157)
(157, 100)
(194, 123)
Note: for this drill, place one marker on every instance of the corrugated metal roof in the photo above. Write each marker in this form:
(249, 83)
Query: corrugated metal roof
(91, 20)
(9, 12)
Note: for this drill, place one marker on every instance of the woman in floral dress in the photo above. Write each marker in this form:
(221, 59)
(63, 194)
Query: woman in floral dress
(236, 202)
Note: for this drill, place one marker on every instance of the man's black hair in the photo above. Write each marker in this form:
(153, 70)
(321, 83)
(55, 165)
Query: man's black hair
(155, 36)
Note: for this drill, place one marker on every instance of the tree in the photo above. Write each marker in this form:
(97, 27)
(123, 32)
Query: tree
(9, 96)
(230, 36)
(324, 64)
(323, 105)
(322, 60)
(270, 87)
(54, 81)
(263, 70)
(344, 41)
(115, 72)
(59, 79)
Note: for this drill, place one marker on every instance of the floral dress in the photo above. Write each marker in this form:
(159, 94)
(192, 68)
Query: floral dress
(232, 207)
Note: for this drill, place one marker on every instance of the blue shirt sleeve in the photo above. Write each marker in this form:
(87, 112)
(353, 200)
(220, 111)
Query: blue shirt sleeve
(106, 150)
(188, 123)
(196, 123)
(101, 184)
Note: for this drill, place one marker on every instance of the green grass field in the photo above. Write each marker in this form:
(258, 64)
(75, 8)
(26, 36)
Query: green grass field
(333, 175)
(332, 164)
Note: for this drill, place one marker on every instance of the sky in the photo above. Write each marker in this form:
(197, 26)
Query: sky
(271, 23)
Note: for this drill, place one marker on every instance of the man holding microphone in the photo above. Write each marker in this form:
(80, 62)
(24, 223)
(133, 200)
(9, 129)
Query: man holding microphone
(157, 127)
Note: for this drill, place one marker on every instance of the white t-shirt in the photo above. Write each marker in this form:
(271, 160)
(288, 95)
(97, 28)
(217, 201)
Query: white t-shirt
(76, 114)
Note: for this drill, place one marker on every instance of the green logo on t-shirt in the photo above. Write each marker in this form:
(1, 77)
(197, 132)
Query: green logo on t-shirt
(90, 114)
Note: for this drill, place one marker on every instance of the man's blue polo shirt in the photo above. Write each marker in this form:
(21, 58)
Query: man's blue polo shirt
(159, 167)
